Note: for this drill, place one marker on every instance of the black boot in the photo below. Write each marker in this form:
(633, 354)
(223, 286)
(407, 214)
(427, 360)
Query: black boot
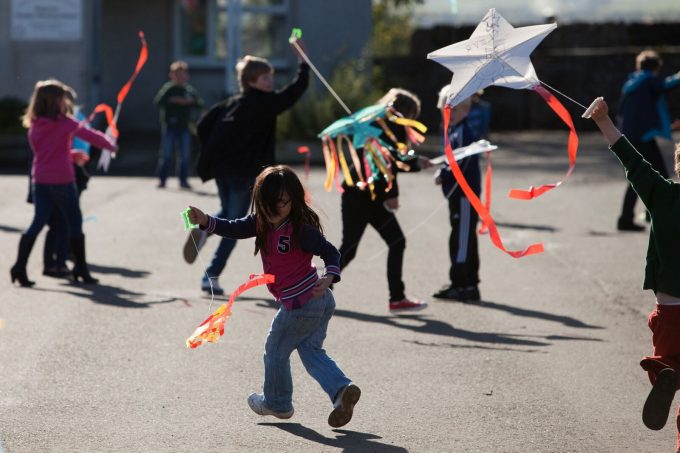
(80, 270)
(18, 271)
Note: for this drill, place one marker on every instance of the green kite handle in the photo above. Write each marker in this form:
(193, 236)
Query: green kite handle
(295, 34)
(187, 223)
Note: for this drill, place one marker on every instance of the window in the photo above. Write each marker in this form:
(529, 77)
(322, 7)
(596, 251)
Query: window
(210, 31)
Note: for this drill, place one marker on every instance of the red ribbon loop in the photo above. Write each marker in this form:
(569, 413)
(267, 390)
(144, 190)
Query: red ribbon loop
(484, 215)
(572, 147)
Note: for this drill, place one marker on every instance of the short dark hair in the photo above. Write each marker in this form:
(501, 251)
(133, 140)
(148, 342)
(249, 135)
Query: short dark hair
(648, 60)
(249, 68)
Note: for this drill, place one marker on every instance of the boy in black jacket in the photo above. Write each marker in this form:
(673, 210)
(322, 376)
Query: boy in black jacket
(237, 141)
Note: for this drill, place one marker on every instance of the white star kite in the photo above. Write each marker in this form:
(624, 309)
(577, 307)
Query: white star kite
(495, 54)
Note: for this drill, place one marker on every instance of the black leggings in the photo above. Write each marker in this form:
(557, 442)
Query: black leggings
(358, 211)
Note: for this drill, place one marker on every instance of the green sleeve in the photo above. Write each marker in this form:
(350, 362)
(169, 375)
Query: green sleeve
(192, 91)
(650, 186)
(161, 96)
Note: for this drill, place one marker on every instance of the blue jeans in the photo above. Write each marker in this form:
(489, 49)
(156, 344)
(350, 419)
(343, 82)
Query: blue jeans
(170, 137)
(49, 197)
(303, 329)
(234, 192)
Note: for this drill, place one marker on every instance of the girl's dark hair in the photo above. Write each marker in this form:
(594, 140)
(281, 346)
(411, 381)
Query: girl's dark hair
(403, 101)
(268, 190)
(46, 101)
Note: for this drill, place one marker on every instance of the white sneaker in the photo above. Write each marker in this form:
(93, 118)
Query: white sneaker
(216, 288)
(344, 406)
(256, 403)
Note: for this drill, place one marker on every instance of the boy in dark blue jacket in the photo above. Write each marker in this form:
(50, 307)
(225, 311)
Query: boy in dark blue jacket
(643, 116)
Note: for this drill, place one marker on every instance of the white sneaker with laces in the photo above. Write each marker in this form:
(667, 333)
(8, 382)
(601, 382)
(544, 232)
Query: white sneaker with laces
(256, 403)
(343, 407)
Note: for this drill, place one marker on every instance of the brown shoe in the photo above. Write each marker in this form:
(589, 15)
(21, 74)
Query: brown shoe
(344, 406)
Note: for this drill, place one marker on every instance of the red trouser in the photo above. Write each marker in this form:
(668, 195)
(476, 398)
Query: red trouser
(664, 322)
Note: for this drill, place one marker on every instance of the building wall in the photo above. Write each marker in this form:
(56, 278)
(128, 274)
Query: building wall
(120, 45)
(25, 62)
(332, 30)
(100, 63)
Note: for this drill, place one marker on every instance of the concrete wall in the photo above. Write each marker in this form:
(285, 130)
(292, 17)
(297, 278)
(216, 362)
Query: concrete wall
(333, 30)
(25, 62)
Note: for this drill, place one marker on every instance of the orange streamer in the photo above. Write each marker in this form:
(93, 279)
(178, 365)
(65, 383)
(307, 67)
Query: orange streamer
(487, 191)
(305, 150)
(212, 328)
(476, 203)
(108, 112)
(143, 56)
(122, 94)
(572, 147)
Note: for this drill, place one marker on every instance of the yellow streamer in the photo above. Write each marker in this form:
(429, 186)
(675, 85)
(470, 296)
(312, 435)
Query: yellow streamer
(409, 122)
(330, 165)
(343, 163)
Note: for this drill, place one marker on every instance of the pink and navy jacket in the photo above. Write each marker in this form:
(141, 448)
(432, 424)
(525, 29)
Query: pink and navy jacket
(293, 268)
(51, 142)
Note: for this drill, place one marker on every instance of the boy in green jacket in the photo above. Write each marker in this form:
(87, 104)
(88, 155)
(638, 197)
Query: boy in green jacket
(662, 272)
(175, 100)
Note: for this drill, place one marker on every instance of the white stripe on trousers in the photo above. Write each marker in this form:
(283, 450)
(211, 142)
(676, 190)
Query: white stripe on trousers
(463, 230)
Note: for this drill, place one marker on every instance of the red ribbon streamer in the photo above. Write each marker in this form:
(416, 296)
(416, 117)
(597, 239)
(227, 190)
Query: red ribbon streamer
(305, 150)
(122, 94)
(487, 191)
(572, 147)
(213, 327)
(474, 200)
(143, 56)
(108, 112)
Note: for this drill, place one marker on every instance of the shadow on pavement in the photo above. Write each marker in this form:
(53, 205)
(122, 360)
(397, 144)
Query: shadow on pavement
(124, 272)
(602, 233)
(10, 229)
(421, 324)
(522, 226)
(349, 441)
(565, 320)
(112, 295)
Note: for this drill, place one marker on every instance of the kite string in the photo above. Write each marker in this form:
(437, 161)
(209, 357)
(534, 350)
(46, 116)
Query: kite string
(198, 255)
(564, 95)
(447, 196)
(318, 74)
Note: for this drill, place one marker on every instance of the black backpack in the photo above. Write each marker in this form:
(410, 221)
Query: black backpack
(216, 128)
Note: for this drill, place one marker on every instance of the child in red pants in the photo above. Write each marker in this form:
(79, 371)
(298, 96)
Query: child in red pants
(662, 199)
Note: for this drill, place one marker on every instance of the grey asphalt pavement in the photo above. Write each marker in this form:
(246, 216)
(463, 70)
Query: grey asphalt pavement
(546, 362)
